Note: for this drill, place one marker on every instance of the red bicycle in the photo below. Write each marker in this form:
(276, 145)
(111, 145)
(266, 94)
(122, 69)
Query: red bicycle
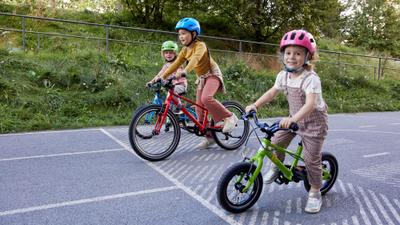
(152, 141)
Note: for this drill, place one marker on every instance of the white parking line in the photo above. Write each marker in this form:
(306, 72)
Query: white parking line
(377, 154)
(62, 154)
(84, 201)
(363, 131)
(367, 126)
(50, 132)
(186, 189)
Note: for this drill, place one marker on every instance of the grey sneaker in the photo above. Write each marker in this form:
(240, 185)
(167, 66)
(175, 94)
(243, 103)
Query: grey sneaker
(206, 143)
(314, 202)
(271, 175)
(230, 123)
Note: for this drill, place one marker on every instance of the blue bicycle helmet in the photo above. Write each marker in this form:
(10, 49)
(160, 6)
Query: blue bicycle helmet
(189, 24)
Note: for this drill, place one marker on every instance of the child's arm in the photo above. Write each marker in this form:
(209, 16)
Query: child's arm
(175, 65)
(199, 52)
(307, 108)
(264, 99)
(158, 76)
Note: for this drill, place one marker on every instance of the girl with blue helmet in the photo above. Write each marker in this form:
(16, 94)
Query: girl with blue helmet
(209, 76)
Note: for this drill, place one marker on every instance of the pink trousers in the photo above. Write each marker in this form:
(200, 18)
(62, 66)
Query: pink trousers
(205, 98)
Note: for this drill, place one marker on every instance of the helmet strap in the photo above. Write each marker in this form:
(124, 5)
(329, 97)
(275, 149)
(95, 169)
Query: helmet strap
(170, 60)
(194, 38)
(298, 69)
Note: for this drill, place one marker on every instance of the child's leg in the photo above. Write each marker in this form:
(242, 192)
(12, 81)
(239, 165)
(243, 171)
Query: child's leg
(206, 98)
(179, 89)
(199, 111)
(312, 159)
(282, 138)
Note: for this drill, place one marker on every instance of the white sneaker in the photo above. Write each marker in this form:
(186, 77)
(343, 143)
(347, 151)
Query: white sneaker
(230, 123)
(206, 143)
(271, 175)
(314, 202)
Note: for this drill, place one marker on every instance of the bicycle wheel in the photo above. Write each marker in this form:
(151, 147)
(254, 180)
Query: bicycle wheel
(230, 187)
(239, 135)
(330, 164)
(145, 142)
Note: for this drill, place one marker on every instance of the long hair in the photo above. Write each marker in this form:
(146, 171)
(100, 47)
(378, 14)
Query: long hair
(312, 60)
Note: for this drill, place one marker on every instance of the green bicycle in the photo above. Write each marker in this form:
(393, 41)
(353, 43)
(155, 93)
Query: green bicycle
(241, 185)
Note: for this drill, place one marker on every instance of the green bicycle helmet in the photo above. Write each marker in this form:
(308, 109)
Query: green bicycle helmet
(169, 46)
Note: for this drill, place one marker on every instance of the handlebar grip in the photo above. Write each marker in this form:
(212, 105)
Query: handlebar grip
(294, 127)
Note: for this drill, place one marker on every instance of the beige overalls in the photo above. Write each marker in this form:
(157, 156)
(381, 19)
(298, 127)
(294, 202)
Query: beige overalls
(312, 129)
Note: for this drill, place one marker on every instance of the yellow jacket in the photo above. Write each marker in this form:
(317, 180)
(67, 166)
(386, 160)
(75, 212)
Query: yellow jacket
(198, 57)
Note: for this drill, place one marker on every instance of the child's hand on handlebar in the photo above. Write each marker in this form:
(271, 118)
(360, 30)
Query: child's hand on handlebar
(251, 107)
(180, 74)
(286, 122)
(148, 84)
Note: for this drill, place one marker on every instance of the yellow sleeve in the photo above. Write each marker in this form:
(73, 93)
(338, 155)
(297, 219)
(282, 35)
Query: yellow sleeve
(175, 65)
(198, 53)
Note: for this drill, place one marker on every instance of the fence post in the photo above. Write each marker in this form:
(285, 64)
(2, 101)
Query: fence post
(98, 45)
(240, 46)
(38, 42)
(23, 33)
(379, 68)
(107, 36)
(338, 60)
(374, 72)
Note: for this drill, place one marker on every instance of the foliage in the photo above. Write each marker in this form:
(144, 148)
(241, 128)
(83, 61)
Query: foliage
(374, 24)
(70, 83)
(267, 20)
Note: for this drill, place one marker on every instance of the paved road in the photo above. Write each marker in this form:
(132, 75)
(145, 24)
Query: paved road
(90, 176)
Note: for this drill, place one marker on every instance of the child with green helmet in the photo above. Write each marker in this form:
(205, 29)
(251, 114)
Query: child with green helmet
(209, 76)
(169, 52)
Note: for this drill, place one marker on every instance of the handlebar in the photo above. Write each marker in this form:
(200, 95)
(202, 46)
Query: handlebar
(167, 83)
(265, 128)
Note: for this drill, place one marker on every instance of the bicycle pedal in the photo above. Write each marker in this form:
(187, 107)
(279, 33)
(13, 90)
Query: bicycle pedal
(281, 179)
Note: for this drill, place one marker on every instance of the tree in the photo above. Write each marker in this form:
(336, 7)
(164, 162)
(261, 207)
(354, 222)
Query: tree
(374, 25)
(147, 12)
(267, 20)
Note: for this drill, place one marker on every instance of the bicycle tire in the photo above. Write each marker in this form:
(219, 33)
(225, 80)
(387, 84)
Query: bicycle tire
(145, 143)
(328, 159)
(239, 135)
(246, 170)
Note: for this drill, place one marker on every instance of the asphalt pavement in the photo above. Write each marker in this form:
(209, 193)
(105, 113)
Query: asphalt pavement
(92, 176)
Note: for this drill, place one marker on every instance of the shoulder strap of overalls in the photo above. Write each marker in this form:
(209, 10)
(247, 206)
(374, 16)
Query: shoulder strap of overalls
(286, 77)
(305, 77)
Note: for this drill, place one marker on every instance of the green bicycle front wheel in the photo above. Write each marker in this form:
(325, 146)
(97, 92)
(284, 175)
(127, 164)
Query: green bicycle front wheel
(230, 192)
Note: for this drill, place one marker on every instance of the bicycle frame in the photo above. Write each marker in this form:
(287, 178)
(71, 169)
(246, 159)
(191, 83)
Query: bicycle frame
(171, 99)
(266, 150)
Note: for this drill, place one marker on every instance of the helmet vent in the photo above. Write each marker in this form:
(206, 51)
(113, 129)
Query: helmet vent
(293, 36)
(311, 40)
(301, 36)
(285, 38)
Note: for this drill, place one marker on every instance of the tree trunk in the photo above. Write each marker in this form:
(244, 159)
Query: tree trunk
(53, 6)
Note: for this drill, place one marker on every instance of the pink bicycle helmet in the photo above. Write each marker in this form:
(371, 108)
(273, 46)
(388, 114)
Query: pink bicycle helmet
(299, 38)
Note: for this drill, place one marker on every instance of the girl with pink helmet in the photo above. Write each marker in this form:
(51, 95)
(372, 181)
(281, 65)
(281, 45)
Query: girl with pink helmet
(302, 87)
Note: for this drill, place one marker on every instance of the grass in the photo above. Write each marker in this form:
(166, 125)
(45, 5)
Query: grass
(70, 83)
